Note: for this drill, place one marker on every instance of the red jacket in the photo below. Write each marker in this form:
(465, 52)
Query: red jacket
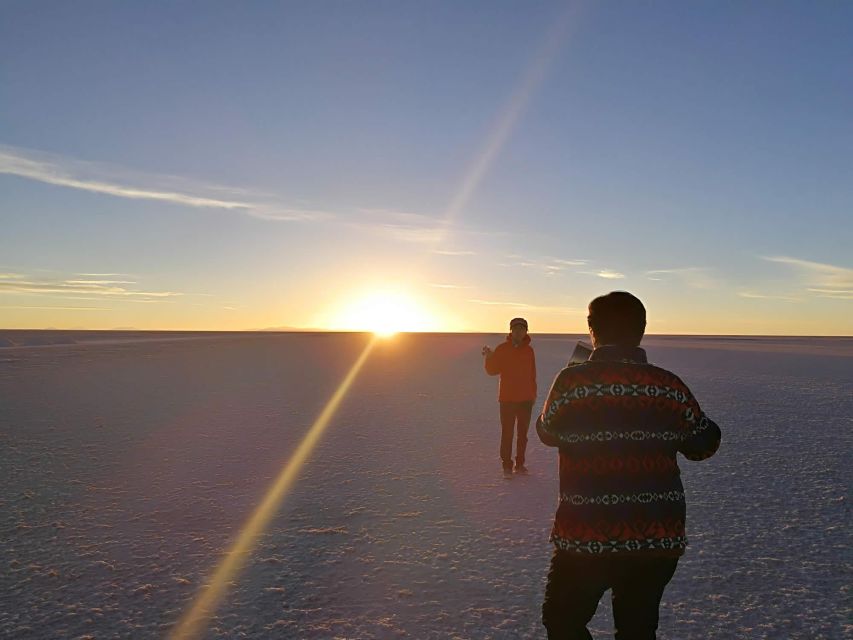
(517, 369)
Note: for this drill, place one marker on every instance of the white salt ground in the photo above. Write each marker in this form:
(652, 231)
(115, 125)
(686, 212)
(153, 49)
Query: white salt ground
(127, 468)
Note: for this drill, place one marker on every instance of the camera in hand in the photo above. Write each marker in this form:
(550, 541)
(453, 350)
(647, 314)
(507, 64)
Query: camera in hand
(581, 353)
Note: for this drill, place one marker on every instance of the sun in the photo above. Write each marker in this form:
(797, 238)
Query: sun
(386, 313)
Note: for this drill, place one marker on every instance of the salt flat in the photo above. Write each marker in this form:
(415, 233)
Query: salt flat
(129, 465)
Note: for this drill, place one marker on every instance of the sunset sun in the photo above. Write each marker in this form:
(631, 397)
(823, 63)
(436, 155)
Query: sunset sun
(386, 313)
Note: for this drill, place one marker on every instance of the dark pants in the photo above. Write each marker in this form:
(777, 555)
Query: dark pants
(576, 583)
(514, 414)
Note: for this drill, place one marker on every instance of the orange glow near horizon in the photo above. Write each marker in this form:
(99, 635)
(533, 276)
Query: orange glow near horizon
(384, 313)
(195, 620)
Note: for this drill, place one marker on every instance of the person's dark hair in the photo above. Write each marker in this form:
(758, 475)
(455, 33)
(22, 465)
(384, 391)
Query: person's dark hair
(617, 318)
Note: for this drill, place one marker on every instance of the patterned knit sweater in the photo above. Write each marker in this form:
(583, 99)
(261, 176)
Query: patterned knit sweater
(619, 422)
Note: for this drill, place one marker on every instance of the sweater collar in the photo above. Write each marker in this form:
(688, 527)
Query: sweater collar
(612, 352)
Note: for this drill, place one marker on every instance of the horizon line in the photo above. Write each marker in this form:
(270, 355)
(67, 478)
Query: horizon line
(295, 330)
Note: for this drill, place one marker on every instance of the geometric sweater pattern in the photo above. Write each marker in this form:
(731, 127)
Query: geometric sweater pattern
(619, 423)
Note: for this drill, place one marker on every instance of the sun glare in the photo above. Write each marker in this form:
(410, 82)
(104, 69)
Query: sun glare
(386, 313)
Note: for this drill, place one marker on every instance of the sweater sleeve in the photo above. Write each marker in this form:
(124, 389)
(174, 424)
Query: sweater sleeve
(549, 426)
(702, 436)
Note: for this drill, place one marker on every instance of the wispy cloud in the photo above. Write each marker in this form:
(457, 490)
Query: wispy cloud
(450, 252)
(401, 226)
(393, 216)
(765, 296)
(121, 183)
(21, 306)
(525, 306)
(695, 277)
(568, 263)
(102, 275)
(550, 266)
(409, 234)
(79, 289)
(609, 274)
(102, 282)
(449, 286)
(820, 279)
(416, 228)
(501, 303)
(839, 294)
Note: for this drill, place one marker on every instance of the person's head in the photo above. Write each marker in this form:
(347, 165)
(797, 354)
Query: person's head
(518, 329)
(617, 318)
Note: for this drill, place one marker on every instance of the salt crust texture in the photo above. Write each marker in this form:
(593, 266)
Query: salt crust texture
(128, 466)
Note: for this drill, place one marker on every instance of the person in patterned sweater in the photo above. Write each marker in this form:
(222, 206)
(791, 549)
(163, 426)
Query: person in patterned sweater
(618, 422)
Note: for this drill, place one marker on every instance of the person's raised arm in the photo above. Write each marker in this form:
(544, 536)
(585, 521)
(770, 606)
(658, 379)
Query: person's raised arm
(701, 435)
(491, 360)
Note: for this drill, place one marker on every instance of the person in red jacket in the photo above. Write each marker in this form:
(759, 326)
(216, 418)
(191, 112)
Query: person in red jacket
(515, 363)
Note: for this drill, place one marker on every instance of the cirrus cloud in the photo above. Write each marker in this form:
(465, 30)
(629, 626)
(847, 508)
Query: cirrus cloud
(820, 279)
(113, 181)
(79, 288)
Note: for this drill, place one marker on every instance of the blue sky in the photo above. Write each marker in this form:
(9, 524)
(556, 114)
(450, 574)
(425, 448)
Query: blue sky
(247, 165)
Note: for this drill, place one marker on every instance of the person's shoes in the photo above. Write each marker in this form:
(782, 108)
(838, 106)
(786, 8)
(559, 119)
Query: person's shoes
(520, 468)
(508, 472)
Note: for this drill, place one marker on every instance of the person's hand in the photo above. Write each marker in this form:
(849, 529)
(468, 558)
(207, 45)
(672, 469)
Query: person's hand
(486, 352)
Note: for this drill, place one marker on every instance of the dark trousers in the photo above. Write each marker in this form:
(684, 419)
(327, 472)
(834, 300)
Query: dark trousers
(514, 414)
(577, 581)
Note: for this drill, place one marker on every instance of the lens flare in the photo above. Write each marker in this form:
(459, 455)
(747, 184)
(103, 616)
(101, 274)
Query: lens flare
(194, 621)
(509, 115)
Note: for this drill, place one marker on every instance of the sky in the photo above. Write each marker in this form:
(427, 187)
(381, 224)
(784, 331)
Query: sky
(427, 166)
